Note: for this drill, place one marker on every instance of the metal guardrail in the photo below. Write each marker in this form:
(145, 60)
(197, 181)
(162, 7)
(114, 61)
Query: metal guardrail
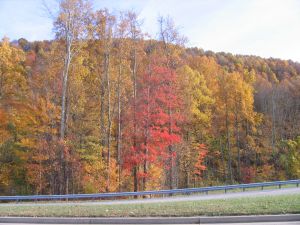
(143, 193)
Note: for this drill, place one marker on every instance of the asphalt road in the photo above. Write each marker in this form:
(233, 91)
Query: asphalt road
(225, 220)
(272, 192)
(272, 223)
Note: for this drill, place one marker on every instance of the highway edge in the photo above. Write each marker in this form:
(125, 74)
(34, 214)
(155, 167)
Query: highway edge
(153, 220)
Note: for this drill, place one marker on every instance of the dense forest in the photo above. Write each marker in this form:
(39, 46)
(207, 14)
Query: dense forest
(105, 107)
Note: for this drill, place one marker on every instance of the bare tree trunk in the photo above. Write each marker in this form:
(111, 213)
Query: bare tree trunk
(64, 89)
(171, 177)
(239, 152)
(135, 179)
(65, 75)
(146, 139)
(228, 146)
(145, 168)
(223, 158)
(134, 34)
(109, 121)
(40, 174)
(119, 138)
(102, 112)
(237, 133)
(273, 120)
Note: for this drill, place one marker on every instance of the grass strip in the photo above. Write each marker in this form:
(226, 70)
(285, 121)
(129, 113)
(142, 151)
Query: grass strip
(282, 204)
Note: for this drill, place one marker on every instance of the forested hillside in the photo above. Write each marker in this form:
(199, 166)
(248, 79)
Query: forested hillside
(104, 107)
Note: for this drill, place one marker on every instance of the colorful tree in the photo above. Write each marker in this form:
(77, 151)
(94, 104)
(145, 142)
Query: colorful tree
(156, 97)
(199, 165)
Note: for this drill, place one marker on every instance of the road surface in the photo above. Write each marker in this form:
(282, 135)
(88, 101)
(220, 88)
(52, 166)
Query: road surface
(271, 223)
(272, 192)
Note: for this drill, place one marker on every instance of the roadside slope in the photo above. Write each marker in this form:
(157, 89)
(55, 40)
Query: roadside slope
(288, 203)
(246, 194)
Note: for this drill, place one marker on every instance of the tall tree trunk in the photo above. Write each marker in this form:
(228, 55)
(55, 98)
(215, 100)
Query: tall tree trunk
(135, 179)
(171, 176)
(146, 139)
(108, 132)
(237, 135)
(228, 146)
(223, 159)
(64, 90)
(65, 75)
(102, 113)
(273, 120)
(119, 137)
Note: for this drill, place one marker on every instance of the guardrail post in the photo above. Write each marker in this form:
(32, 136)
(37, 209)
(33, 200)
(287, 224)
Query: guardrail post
(279, 186)
(225, 190)
(297, 184)
(243, 189)
(262, 188)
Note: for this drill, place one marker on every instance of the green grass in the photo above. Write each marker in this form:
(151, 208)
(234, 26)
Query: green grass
(253, 189)
(282, 204)
(236, 190)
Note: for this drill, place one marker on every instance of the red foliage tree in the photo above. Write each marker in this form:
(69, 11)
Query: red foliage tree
(157, 115)
(199, 166)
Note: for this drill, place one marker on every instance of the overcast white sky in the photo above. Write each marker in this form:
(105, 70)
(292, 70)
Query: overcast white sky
(268, 28)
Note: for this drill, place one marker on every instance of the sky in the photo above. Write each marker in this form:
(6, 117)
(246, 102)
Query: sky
(267, 28)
